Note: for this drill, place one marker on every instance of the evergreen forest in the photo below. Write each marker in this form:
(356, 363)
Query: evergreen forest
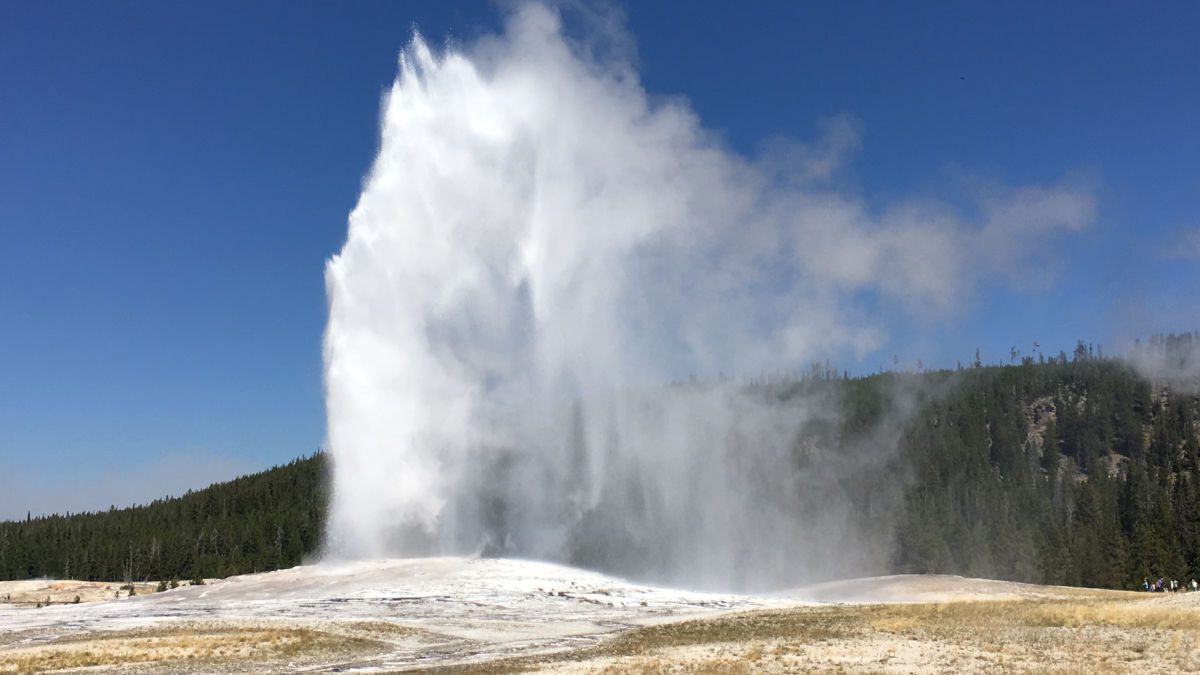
(264, 521)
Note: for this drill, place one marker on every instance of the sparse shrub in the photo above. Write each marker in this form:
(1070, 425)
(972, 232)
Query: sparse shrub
(75, 601)
(174, 583)
(162, 586)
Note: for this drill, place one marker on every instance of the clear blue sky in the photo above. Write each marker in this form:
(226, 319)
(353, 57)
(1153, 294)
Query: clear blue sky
(173, 177)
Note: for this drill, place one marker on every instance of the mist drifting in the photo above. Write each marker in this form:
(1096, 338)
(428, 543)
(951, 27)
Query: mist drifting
(540, 246)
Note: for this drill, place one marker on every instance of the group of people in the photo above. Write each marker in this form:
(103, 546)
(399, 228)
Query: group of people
(1168, 585)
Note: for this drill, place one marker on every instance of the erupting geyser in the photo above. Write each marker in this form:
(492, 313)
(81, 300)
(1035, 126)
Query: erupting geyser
(539, 247)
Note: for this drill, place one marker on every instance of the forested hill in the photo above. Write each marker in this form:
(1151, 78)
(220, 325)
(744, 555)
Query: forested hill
(1073, 471)
(1078, 473)
(254, 523)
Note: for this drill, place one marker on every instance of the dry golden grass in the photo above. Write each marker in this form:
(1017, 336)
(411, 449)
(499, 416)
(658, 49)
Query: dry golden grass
(1121, 614)
(1080, 632)
(180, 647)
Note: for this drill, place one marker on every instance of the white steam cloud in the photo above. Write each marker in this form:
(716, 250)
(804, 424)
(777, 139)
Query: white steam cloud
(1172, 360)
(539, 245)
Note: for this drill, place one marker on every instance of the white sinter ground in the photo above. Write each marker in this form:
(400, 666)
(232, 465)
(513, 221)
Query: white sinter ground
(465, 609)
(447, 611)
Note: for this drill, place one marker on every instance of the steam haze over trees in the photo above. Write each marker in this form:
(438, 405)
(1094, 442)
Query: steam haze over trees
(1073, 469)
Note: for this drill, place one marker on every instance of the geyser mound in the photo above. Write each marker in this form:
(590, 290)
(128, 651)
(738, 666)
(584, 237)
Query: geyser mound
(539, 247)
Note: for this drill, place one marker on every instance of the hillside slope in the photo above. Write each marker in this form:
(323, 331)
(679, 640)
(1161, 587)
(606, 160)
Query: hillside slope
(254, 523)
(1079, 473)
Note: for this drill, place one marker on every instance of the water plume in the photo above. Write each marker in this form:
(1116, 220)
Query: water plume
(540, 247)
